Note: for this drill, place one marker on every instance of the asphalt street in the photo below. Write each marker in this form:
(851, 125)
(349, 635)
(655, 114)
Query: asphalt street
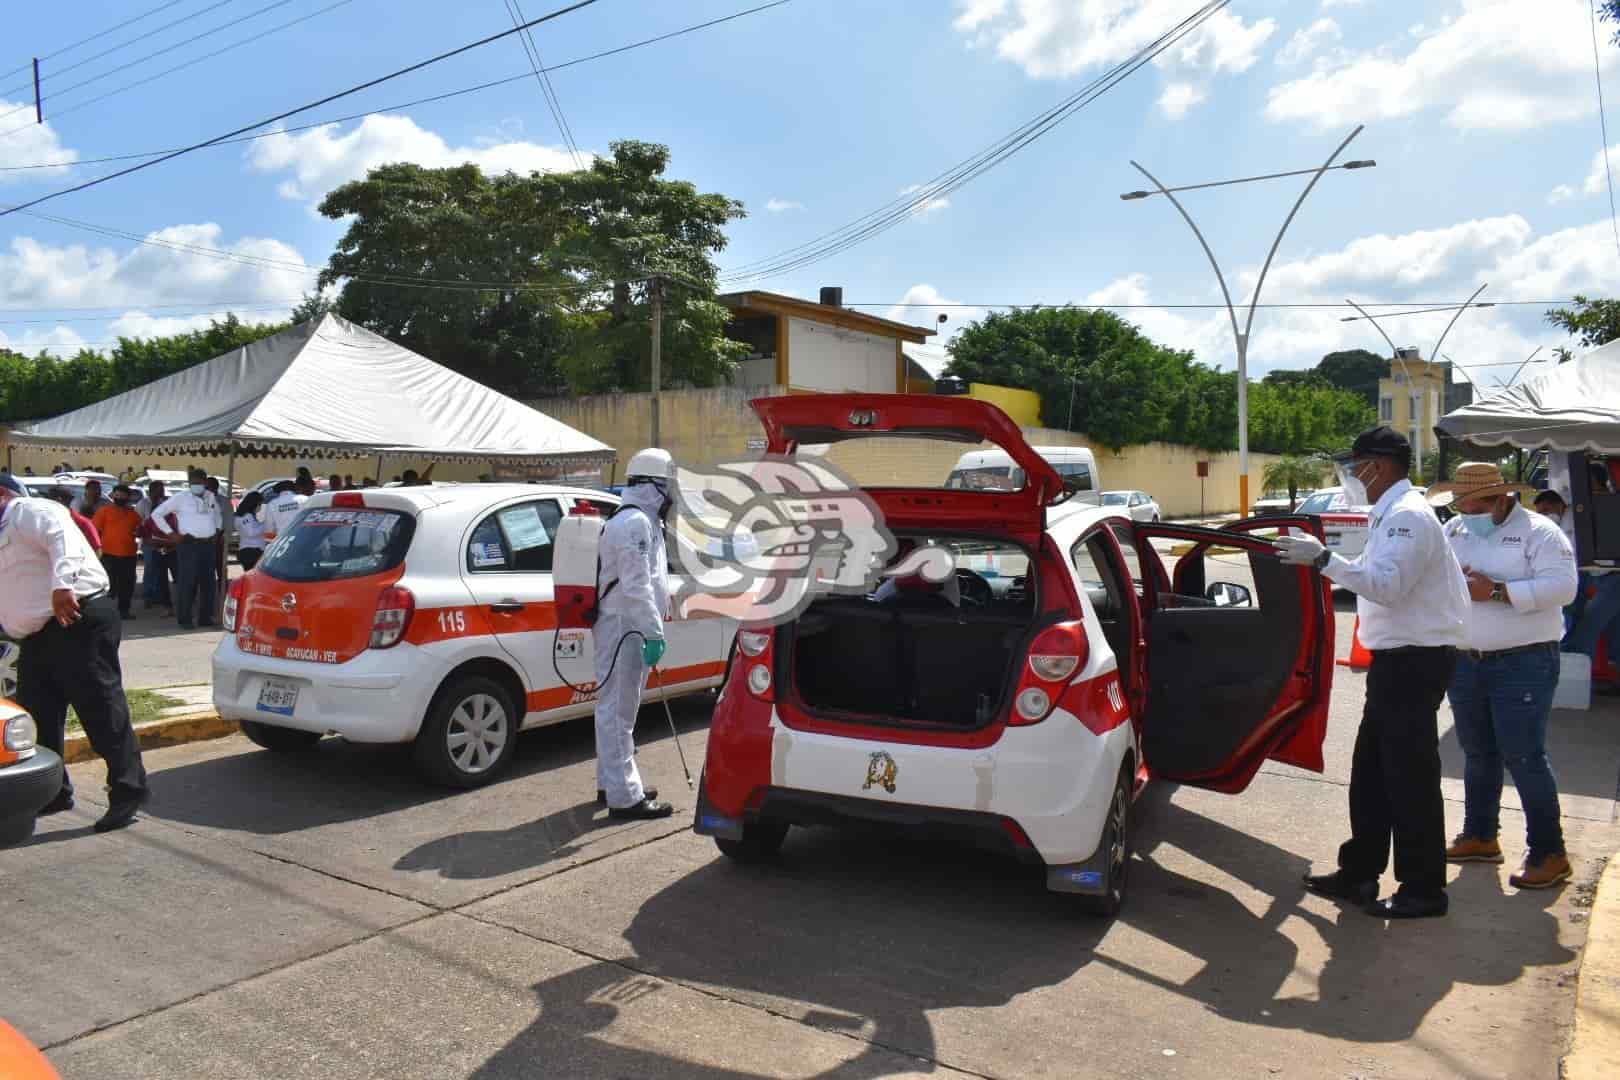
(326, 915)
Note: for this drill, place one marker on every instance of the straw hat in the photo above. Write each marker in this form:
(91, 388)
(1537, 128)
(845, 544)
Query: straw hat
(1476, 480)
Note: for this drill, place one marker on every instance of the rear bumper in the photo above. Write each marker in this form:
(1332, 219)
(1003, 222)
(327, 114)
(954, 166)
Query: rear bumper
(28, 785)
(1053, 780)
(380, 696)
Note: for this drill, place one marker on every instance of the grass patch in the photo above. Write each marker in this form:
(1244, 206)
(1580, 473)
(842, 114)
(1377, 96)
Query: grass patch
(144, 705)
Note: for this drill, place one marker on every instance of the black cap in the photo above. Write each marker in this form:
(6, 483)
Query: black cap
(1549, 493)
(1380, 441)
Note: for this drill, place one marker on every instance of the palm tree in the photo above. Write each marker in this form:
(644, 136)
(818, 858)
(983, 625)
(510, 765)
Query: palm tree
(1293, 471)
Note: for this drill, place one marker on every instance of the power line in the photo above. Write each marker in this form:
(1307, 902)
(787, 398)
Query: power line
(368, 84)
(1438, 305)
(136, 310)
(547, 91)
(1603, 124)
(659, 39)
(250, 39)
(913, 202)
(98, 34)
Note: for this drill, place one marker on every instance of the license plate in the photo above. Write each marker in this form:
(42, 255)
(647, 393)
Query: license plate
(279, 697)
(1333, 540)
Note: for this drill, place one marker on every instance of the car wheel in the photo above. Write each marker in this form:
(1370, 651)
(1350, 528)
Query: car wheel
(282, 740)
(469, 735)
(16, 830)
(1116, 841)
(760, 840)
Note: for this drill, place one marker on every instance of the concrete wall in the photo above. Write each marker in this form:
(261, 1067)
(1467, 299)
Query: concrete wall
(1024, 406)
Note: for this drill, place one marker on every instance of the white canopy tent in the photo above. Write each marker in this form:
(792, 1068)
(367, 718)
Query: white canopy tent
(322, 389)
(1574, 407)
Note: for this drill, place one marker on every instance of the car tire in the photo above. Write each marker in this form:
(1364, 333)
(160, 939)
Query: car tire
(469, 735)
(760, 840)
(16, 830)
(282, 740)
(1116, 840)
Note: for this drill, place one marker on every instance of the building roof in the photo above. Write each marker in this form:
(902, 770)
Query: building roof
(755, 302)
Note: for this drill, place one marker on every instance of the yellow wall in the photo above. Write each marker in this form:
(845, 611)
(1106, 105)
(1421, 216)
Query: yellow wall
(1024, 406)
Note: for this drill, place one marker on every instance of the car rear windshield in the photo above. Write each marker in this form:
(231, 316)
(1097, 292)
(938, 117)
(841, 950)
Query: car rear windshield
(1322, 502)
(332, 543)
(919, 461)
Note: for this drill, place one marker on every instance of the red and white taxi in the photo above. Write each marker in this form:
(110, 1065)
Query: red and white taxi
(1077, 658)
(1344, 527)
(424, 615)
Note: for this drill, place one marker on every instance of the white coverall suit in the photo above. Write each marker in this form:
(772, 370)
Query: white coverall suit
(632, 554)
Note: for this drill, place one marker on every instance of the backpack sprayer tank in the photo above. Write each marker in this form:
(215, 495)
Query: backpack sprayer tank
(575, 566)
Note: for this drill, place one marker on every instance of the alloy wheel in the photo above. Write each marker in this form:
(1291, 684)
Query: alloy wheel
(477, 733)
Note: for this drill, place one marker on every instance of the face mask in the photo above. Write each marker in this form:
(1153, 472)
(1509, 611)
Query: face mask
(1355, 489)
(197, 489)
(1480, 524)
(1555, 516)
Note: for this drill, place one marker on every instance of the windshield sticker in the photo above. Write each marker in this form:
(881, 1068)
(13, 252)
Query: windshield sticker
(361, 519)
(487, 555)
(524, 529)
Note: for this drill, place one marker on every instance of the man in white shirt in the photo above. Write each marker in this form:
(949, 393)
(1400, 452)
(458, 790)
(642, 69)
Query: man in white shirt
(283, 508)
(54, 601)
(1521, 572)
(198, 517)
(1412, 608)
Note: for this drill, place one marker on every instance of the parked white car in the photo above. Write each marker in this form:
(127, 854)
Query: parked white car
(1138, 504)
(424, 615)
(1277, 502)
(995, 470)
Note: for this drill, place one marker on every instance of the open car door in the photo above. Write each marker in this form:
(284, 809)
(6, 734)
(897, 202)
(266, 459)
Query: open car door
(1239, 653)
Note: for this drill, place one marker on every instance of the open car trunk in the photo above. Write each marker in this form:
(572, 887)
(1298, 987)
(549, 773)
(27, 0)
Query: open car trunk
(945, 658)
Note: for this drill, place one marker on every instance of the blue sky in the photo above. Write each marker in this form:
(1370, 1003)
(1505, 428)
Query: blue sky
(1482, 115)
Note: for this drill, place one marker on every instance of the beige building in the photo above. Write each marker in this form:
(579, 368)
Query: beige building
(1415, 395)
(821, 347)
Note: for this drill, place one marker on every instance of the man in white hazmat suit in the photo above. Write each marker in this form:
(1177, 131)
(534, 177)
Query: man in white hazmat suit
(633, 602)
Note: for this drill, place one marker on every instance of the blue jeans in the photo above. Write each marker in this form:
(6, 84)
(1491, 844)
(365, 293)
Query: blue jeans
(158, 568)
(1592, 617)
(1501, 705)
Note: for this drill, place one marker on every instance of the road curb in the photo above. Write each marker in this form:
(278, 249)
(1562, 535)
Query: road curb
(1595, 1053)
(172, 731)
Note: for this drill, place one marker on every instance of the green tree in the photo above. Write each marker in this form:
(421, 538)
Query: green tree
(1295, 473)
(1356, 370)
(1594, 322)
(542, 280)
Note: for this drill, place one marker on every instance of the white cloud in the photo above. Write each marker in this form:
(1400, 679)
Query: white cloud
(1054, 39)
(1596, 181)
(1492, 67)
(324, 158)
(28, 143)
(48, 277)
(778, 206)
(1326, 4)
(923, 305)
(928, 207)
(1561, 193)
(1307, 42)
(1178, 97)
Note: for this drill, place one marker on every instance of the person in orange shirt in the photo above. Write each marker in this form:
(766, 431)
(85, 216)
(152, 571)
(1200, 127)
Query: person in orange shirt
(117, 523)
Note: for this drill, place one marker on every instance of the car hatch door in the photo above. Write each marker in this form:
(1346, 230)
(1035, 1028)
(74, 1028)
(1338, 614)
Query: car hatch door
(1240, 655)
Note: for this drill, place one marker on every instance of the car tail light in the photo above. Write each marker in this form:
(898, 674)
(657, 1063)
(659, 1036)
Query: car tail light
(758, 655)
(18, 736)
(394, 610)
(233, 603)
(1056, 654)
(351, 499)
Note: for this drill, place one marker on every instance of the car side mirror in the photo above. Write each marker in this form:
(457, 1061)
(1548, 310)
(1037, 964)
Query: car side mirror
(1226, 594)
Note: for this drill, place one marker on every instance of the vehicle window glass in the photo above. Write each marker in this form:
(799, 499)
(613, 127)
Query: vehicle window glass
(1116, 498)
(1213, 576)
(339, 542)
(881, 461)
(1319, 503)
(529, 530)
(486, 551)
(1076, 474)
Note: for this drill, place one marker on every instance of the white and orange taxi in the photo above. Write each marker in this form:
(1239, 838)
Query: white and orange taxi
(424, 615)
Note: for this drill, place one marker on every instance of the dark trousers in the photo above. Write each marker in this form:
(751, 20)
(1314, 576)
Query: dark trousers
(248, 557)
(78, 665)
(121, 573)
(1395, 775)
(194, 583)
(158, 566)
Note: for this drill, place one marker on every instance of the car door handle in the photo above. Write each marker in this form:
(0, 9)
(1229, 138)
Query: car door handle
(506, 607)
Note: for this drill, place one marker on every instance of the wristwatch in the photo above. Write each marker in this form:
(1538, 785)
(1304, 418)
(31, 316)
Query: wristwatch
(1321, 561)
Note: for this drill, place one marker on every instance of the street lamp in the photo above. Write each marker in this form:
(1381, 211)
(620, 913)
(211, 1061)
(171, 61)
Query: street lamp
(1240, 338)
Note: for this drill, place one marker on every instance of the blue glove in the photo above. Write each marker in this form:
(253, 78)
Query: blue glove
(652, 651)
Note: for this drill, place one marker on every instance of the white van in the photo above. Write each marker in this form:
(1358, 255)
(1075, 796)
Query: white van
(993, 470)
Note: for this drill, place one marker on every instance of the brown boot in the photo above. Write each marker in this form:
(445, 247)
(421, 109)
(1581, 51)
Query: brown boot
(1542, 875)
(1473, 849)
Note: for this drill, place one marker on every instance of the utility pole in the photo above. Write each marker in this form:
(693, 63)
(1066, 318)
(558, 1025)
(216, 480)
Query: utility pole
(655, 288)
(39, 110)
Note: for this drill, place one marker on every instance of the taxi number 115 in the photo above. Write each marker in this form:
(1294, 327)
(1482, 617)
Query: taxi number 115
(452, 621)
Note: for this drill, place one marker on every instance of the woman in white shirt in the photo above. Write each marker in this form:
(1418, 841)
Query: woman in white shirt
(249, 531)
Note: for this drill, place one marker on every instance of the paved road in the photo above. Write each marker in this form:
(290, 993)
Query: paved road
(327, 916)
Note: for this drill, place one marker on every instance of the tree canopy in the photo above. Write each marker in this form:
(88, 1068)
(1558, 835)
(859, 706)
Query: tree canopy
(1127, 389)
(1594, 322)
(34, 388)
(539, 283)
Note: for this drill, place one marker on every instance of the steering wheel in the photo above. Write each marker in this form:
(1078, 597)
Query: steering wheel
(976, 591)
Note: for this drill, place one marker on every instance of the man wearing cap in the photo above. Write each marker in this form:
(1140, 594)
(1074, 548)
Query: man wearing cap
(1412, 608)
(1521, 573)
(198, 519)
(54, 602)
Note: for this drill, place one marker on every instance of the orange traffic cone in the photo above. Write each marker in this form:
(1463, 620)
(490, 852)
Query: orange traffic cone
(1360, 659)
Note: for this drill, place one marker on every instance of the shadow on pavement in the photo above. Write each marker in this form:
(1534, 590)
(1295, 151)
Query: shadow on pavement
(1583, 746)
(869, 932)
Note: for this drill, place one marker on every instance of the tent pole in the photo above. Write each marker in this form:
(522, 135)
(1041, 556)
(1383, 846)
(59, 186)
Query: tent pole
(225, 543)
(379, 470)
